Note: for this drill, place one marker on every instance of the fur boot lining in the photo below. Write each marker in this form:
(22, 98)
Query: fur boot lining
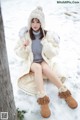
(63, 89)
(41, 94)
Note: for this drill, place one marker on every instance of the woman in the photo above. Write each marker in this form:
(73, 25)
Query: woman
(38, 49)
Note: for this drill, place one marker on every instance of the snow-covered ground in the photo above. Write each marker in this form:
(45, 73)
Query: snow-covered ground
(63, 19)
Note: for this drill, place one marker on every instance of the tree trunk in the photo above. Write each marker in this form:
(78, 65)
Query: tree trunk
(6, 92)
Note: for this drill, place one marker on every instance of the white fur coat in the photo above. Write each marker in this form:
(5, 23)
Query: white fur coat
(50, 51)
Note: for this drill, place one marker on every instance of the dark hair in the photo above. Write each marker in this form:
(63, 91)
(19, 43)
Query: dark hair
(32, 35)
(41, 31)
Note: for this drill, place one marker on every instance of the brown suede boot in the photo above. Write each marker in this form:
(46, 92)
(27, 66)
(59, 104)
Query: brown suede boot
(69, 99)
(45, 111)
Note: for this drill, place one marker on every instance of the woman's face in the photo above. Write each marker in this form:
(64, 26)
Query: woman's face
(35, 24)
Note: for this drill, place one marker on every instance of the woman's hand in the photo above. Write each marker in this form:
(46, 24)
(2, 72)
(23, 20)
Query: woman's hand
(26, 43)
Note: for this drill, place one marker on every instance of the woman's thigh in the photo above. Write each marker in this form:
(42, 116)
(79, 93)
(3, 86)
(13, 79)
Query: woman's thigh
(45, 67)
(35, 67)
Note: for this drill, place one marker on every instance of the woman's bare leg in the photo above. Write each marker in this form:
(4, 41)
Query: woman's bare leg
(42, 100)
(51, 75)
(36, 68)
(63, 91)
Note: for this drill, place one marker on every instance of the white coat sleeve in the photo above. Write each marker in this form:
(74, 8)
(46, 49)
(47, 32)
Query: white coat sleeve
(51, 46)
(54, 41)
(21, 50)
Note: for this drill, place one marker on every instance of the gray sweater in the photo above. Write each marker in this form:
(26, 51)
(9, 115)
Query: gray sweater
(37, 48)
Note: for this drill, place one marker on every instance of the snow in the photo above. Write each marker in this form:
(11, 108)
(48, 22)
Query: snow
(63, 19)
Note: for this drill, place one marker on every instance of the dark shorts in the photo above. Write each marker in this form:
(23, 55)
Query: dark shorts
(39, 61)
